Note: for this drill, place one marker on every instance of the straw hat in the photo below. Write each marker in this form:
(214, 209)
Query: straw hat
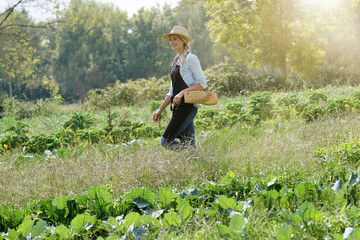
(180, 31)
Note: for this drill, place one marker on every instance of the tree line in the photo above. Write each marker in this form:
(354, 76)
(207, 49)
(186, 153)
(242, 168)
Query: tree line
(92, 45)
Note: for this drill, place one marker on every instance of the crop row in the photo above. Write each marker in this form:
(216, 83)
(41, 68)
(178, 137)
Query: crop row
(288, 209)
(247, 112)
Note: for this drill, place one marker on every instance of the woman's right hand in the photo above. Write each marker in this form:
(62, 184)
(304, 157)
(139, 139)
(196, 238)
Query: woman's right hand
(156, 116)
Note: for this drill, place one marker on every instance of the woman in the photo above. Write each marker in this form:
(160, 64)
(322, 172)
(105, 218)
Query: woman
(186, 75)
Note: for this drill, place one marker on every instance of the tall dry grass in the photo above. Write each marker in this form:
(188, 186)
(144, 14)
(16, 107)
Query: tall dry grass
(254, 152)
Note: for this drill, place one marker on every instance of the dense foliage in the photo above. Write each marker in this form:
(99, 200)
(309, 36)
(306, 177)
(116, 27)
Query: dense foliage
(250, 111)
(291, 208)
(93, 45)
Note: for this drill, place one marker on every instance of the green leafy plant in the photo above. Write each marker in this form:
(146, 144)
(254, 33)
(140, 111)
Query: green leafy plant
(79, 121)
(154, 105)
(260, 104)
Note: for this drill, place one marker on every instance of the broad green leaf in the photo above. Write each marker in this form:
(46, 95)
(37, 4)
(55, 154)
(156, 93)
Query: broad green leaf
(284, 232)
(355, 234)
(25, 227)
(60, 202)
(273, 195)
(14, 235)
(306, 190)
(224, 231)
(100, 195)
(302, 209)
(353, 179)
(338, 236)
(337, 186)
(141, 193)
(237, 223)
(166, 196)
(141, 203)
(82, 200)
(171, 219)
(132, 219)
(140, 232)
(63, 232)
(156, 214)
(226, 180)
(191, 192)
(38, 229)
(183, 208)
(227, 203)
(113, 221)
(147, 220)
(81, 222)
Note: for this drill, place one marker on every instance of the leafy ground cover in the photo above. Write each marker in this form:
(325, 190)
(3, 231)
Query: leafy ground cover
(281, 175)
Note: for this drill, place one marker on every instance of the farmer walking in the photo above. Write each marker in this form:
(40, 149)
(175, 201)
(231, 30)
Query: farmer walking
(186, 75)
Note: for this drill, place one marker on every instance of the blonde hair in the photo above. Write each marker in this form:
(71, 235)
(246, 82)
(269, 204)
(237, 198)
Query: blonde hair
(186, 50)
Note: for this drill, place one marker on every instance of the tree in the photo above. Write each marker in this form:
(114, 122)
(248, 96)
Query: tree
(192, 14)
(266, 32)
(17, 61)
(20, 65)
(149, 55)
(90, 48)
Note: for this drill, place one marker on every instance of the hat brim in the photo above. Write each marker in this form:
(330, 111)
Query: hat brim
(186, 38)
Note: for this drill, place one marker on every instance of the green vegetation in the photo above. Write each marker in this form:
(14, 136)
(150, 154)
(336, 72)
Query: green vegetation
(277, 158)
(250, 45)
(262, 169)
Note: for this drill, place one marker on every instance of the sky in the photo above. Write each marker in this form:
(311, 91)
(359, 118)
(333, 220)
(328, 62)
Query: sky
(131, 6)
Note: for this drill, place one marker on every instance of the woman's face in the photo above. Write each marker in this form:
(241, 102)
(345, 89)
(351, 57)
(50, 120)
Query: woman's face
(176, 43)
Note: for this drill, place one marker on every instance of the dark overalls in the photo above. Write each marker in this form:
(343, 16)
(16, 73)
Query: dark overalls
(181, 124)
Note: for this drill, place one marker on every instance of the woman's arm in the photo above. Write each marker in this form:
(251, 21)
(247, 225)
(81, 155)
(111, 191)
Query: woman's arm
(177, 98)
(163, 105)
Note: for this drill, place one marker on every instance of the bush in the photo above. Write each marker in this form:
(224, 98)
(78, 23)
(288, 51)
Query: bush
(40, 143)
(79, 121)
(12, 107)
(260, 104)
(147, 132)
(92, 135)
(120, 134)
(15, 136)
(312, 112)
(339, 105)
(229, 80)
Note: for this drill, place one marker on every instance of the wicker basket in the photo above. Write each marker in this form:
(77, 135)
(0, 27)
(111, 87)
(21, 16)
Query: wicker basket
(201, 97)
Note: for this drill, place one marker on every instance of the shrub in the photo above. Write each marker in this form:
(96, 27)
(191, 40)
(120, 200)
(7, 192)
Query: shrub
(312, 112)
(148, 131)
(15, 136)
(20, 110)
(92, 135)
(66, 137)
(40, 143)
(229, 80)
(260, 104)
(234, 108)
(317, 96)
(79, 121)
(339, 105)
(120, 134)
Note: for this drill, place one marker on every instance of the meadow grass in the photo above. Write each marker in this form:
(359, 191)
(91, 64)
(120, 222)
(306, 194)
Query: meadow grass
(272, 148)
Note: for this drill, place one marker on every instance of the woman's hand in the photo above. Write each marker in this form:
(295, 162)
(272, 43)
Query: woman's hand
(177, 98)
(156, 115)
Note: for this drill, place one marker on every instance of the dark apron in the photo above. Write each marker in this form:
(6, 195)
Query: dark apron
(180, 111)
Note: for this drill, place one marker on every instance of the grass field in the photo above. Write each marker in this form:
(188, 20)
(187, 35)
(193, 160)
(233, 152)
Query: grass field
(285, 149)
